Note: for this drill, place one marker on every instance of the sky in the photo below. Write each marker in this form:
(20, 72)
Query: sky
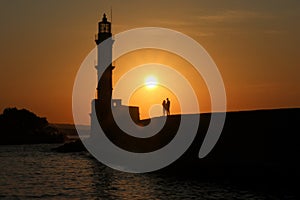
(255, 45)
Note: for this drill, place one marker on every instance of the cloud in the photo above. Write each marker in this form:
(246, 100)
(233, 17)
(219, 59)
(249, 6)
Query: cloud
(204, 24)
(234, 16)
(274, 32)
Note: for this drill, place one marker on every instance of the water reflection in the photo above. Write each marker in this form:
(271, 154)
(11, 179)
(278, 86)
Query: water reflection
(119, 185)
(35, 172)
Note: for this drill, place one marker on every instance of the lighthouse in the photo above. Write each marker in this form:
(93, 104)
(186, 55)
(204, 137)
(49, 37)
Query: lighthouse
(103, 105)
(104, 54)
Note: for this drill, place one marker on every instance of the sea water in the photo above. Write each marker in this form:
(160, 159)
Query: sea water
(34, 171)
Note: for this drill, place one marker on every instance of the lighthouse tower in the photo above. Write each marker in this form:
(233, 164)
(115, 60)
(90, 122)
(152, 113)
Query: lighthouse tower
(104, 88)
(103, 104)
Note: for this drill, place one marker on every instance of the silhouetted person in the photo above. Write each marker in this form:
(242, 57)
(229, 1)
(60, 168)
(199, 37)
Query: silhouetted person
(164, 105)
(168, 106)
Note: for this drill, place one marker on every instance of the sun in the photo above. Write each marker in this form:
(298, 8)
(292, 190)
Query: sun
(150, 82)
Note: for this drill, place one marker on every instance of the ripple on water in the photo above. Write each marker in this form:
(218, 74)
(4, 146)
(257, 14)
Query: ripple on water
(33, 171)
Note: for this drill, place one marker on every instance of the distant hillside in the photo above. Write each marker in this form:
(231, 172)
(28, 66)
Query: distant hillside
(70, 132)
(24, 127)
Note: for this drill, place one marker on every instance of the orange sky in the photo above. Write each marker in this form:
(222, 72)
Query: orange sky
(255, 44)
(155, 60)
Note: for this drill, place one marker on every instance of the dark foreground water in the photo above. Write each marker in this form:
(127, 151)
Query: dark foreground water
(34, 171)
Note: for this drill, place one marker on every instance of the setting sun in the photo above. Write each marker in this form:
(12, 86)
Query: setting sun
(151, 82)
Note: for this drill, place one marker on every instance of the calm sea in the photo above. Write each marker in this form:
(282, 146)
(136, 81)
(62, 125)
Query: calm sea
(34, 171)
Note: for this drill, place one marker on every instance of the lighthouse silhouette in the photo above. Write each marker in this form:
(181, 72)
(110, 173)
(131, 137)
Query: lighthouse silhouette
(104, 88)
(104, 104)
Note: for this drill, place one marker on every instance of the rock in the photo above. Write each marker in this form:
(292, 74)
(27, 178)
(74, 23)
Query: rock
(74, 146)
(24, 127)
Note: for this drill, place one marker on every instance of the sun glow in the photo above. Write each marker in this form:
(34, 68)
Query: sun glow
(151, 82)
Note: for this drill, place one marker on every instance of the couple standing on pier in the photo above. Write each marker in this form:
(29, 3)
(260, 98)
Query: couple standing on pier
(166, 107)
